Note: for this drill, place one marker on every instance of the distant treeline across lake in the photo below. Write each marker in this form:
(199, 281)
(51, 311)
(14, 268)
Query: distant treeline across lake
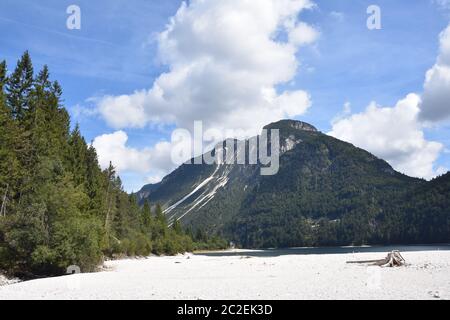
(326, 250)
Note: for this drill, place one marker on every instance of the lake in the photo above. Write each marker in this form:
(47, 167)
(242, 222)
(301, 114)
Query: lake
(325, 250)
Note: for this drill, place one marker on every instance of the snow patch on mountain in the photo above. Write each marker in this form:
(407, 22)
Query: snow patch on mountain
(211, 185)
(191, 193)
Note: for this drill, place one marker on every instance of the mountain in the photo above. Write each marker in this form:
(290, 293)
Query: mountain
(326, 192)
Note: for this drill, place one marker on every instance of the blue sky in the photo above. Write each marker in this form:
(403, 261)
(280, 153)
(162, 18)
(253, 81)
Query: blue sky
(115, 53)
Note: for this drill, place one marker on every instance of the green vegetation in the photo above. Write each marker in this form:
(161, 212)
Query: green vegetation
(418, 215)
(331, 193)
(57, 207)
(202, 241)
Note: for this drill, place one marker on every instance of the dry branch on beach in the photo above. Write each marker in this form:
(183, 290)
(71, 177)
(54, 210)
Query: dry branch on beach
(393, 259)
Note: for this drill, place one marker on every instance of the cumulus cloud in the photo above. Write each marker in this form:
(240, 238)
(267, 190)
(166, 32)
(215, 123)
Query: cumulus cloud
(113, 147)
(436, 95)
(394, 134)
(303, 34)
(225, 61)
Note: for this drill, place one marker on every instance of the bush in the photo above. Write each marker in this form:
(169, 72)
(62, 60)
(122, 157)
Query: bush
(143, 245)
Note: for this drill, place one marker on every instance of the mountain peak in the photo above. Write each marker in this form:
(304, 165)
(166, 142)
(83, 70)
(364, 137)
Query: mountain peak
(295, 124)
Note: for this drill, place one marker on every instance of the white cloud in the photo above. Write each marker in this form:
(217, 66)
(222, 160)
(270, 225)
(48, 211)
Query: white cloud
(125, 110)
(303, 34)
(436, 96)
(225, 59)
(393, 134)
(80, 111)
(347, 108)
(396, 134)
(113, 147)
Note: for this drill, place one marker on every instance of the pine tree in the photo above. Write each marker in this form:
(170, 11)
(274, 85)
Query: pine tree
(19, 87)
(160, 216)
(3, 70)
(47, 120)
(110, 199)
(77, 156)
(177, 227)
(9, 164)
(5, 143)
(94, 183)
(146, 216)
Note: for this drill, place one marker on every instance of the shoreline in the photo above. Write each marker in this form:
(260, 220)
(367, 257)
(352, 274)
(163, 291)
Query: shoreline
(291, 277)
(240, 252)
(334, 247)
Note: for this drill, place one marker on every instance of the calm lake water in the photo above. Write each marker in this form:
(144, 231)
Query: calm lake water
(327, 250)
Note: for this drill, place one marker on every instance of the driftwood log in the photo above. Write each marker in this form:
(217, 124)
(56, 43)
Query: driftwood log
(393, 259)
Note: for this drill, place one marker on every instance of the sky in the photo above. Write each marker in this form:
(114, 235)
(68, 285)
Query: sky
(137, 70)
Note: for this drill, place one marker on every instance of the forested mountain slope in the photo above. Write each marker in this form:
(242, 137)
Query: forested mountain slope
(327, 192)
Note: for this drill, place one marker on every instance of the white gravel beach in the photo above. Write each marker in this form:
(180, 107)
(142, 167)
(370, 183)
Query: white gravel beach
(324, 276)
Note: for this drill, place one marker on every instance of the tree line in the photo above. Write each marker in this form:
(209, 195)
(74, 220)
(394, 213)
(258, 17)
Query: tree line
(57, 206)
(419, 215)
